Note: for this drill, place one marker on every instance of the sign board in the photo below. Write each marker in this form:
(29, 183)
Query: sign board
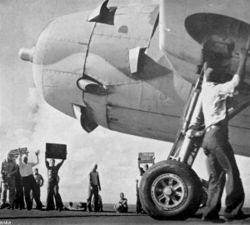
(15, 152)
(56, 151)
(146, 157)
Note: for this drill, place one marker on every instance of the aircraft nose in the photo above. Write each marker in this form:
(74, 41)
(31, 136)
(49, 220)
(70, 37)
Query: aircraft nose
(26, 54)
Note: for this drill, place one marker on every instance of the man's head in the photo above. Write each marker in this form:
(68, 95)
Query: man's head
(121, 195)
(95, 167)
(145, 167)
(52, 162)
(217, 53)
(25, 159)
(35, 171)
(10, 157)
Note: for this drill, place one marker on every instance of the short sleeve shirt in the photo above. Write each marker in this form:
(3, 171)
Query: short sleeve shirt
(214, 98)
(26, 169)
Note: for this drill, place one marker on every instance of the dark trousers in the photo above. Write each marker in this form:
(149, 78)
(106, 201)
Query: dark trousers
(53, 191)
(19, 203)
(93, 190)
(221, 162)
(138, 205)
(29, 184)
(38, 189)
(38, 192)
(9, 184)
(138, 202)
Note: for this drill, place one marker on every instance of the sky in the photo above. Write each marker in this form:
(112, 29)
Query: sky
(26, 120)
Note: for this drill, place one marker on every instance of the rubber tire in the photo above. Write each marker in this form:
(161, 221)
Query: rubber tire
(192, 199)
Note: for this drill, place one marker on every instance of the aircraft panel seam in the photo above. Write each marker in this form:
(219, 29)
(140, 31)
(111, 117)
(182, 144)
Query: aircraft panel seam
(122, 37)
(68, 40)
(140, 110)
(88, 46)
(62, 72)
(239, 127)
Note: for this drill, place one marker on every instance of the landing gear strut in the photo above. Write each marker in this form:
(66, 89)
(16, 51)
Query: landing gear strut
(171, 189)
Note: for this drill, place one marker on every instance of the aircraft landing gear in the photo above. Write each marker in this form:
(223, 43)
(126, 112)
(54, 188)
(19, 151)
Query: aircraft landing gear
(171, 189)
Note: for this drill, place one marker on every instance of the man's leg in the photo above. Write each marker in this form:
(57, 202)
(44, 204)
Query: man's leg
(12, 192)
(59, 204)
(35, 188)
(234, 188)
(96, 197)
(19, 194)
(22, 204)
(89, 199)
(4, 193)
(138, 204)
(38, 191)
(27, 189)
(215, 188)
(50, 201)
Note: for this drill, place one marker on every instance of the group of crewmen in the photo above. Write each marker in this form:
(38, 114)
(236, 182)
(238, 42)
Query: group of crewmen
(23, 182)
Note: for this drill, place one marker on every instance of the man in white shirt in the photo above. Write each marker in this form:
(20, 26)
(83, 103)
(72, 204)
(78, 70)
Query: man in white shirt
(29, 182)
(94, 188)
(220, 155)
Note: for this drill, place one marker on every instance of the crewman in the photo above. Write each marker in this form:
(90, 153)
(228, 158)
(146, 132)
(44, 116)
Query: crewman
(220, 155)
(142, 170)
(53, 188)
(122, 205)
(39, 182)
(8, 171)
(94, 188)
(28, 180)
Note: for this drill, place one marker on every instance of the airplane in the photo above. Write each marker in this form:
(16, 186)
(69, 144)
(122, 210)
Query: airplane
(132, 68)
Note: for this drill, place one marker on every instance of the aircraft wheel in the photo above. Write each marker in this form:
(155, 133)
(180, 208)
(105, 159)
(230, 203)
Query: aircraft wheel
(170, 190)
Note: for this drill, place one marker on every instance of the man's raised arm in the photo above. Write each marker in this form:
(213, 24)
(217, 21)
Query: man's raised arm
(240, 73)
(20, 157)
(37, 158)
(46, 163)
(60, 163)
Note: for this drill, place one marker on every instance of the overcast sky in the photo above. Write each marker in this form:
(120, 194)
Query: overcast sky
(26, 120)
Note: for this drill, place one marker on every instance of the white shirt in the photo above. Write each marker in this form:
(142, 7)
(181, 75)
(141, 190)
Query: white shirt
(26, 169)
(214, 100)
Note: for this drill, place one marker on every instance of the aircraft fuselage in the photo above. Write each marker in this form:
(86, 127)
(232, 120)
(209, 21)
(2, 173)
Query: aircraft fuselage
(134, 70)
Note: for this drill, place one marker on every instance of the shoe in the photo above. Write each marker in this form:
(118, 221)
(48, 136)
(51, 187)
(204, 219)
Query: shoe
(214, 219)
(3, 206)
(239, 216)
(89, 210)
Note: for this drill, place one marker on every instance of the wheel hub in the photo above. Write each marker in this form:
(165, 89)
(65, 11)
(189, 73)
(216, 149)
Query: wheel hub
(168, 191)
